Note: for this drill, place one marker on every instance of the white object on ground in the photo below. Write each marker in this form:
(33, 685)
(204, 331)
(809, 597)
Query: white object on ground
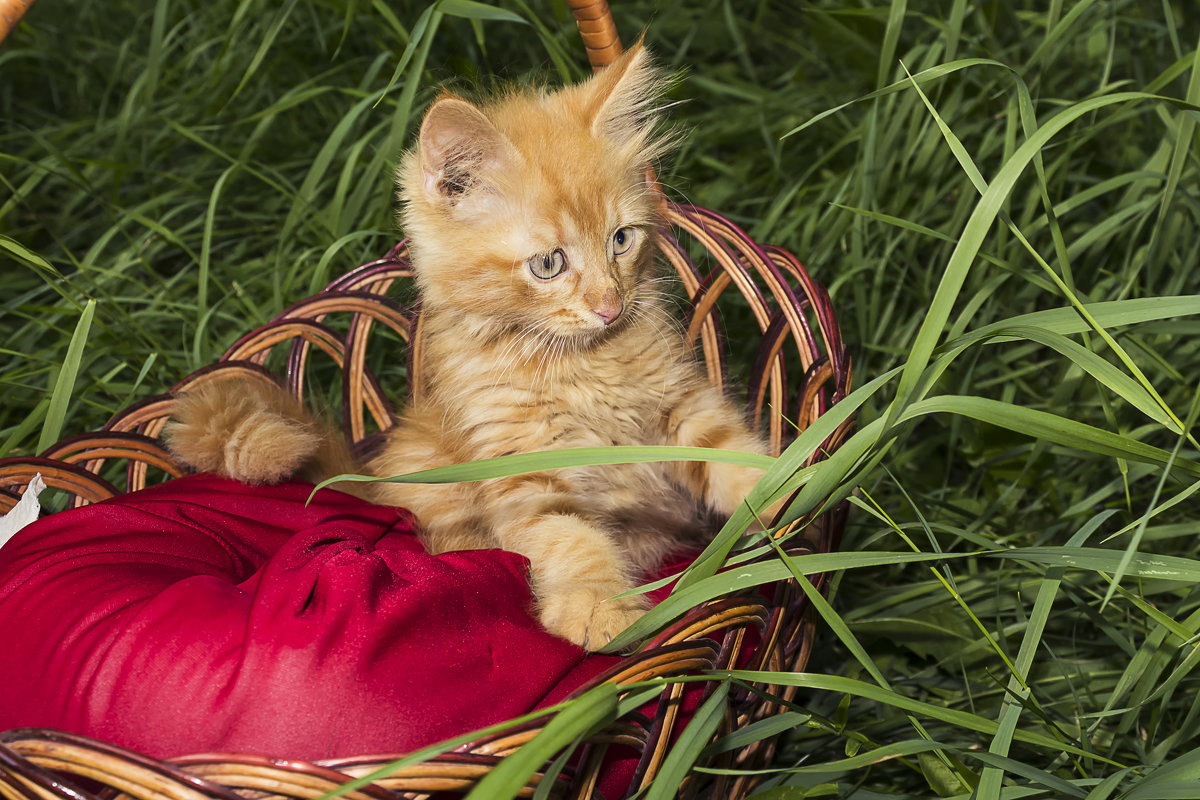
(24, 512)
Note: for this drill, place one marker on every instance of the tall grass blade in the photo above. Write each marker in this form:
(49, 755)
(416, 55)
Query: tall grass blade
(1135, 540)
(586, 713)
(689, 744)
(64, 384)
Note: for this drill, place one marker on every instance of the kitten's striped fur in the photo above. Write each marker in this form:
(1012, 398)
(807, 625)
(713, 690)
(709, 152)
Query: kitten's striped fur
(516, 363)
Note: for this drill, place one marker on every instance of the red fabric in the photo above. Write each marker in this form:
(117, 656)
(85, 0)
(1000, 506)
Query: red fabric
(204, 615)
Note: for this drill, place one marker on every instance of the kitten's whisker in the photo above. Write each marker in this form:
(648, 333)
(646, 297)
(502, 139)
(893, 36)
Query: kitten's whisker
(655, 312)
(508, 365)
(545, 342)
(662, 323)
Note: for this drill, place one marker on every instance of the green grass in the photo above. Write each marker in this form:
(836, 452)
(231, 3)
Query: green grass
(1002, 234)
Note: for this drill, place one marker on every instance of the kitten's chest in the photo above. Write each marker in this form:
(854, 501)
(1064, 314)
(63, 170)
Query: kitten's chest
(604, 405)
(617, 396)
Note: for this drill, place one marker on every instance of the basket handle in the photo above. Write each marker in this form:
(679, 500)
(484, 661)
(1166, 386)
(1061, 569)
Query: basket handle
(11, 12)
(603, 45)
(598, 30)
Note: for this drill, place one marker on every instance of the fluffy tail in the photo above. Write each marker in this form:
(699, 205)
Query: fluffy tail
(254, 433)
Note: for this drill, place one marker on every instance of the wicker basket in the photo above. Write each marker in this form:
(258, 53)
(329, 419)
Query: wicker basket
(799, 370)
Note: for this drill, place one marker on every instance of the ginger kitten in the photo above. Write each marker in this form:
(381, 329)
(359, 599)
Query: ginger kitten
(532, 238)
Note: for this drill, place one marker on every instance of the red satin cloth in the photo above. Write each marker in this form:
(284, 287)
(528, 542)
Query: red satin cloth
(202, 615)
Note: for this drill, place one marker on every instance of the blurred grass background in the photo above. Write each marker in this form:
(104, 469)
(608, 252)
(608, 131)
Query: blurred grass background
(175, 173)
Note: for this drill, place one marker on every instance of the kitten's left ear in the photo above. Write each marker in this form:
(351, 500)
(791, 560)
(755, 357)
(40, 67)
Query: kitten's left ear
(459, 148)
(623, 95)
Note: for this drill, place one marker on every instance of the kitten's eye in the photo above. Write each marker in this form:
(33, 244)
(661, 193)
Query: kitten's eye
(623, 240)
(548, 265)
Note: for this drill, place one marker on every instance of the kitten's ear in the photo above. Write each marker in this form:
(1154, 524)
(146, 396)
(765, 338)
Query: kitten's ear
(623, 95)
(458, 147)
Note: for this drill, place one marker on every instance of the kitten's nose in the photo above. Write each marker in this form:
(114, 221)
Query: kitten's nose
(610, 307)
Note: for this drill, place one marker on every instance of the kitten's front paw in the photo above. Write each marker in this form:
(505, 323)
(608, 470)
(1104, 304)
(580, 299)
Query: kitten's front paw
(256, 435)
(735, 485)
(584, 616)
(765, 517)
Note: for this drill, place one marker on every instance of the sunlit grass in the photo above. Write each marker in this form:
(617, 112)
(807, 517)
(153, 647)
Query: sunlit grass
(1001, 198)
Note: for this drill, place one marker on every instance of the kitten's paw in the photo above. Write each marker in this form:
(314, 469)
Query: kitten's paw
(253, 434)
(268, 448)
(584, 616)
(733, 485)
(765, 517)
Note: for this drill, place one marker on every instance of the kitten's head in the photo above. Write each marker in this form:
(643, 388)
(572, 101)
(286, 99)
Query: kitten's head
(534, 212)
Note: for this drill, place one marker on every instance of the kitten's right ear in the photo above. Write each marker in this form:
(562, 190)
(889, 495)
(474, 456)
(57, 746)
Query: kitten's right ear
(624, 95)
(458, 147)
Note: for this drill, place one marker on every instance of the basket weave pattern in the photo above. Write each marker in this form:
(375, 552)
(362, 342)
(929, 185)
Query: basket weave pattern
(796, 329)
(799, 369)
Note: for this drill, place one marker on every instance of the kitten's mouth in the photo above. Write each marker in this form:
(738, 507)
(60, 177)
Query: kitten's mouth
(573, 337)
(576, 340)
(592, 335)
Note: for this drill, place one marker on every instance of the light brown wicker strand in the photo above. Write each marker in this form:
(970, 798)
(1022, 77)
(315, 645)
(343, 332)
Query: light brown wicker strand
(75, 480)
(116, 767)
(360, 392)
(737, 616)
(354, 393)
(11, 12)
(706, 327)
(735, 260)
(592, 768)
(652, 757)
(285, 778)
